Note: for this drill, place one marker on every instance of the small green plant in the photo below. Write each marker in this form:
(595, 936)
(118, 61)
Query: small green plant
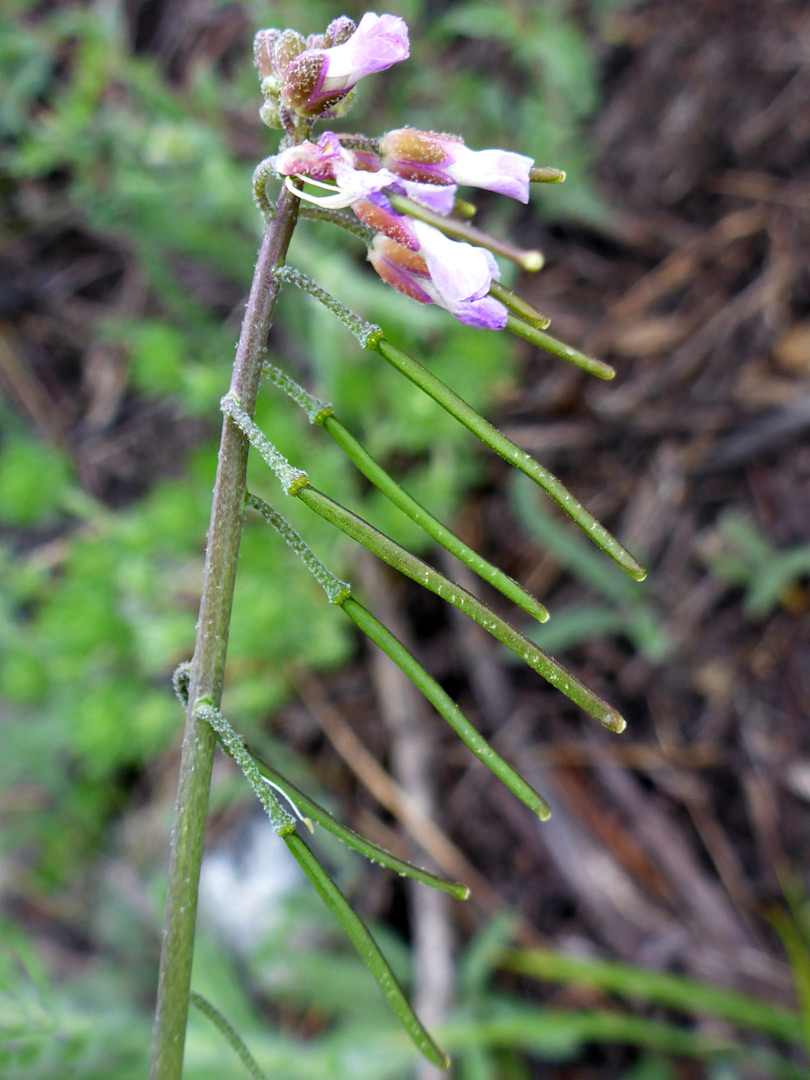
(740, 554)
(402, 191)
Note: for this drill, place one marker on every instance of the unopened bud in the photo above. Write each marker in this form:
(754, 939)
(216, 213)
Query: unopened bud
(271, 88)
(317, 80)
(263, 46)
(288, 46)
(338, 31)
(269, 114)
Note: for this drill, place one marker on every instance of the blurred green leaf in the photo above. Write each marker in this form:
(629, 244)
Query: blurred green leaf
(33, 481)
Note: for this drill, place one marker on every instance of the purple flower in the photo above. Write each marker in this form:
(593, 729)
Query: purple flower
(318, 78)
(444, 159)
(453, 275)
(357, 176)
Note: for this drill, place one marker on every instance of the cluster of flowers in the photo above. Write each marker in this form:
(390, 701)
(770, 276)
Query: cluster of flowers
(314, 77)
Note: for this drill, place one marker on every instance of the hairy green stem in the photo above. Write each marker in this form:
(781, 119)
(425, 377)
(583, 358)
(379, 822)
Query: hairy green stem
(227, 1031)
(372, 337)
(402, 560)
(208, 664)
(339, 592)
(419, 571)
(354, 840)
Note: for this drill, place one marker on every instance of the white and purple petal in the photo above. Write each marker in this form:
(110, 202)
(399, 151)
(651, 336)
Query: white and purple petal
(494, 170)
(378, 42)
(459, 271)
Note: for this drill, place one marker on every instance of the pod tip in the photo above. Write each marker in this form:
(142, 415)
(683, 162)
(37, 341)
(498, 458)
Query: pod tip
(532, 260)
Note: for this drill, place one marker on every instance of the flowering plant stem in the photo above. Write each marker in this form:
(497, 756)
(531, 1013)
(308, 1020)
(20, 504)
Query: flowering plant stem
(208, 664)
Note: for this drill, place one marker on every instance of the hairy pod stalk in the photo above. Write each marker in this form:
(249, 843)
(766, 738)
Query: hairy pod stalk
(208, 664)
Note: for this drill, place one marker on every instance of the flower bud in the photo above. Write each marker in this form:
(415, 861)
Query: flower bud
(338, 31)
(263, 46)
(271, 88)
(288, 46)
(269, 112)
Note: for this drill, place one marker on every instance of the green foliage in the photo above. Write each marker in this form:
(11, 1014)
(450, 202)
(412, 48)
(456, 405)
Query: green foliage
(743, 556)
(88, 1024)
(33, 479)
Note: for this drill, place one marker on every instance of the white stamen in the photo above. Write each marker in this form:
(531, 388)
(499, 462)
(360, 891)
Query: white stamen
(317, 183)
(330, 202)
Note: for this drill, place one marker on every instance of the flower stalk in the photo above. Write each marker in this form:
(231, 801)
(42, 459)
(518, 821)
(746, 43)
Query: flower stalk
(208, 664)
(371, 337)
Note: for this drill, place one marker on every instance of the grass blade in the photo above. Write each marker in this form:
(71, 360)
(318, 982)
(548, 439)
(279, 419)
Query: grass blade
(658, 987)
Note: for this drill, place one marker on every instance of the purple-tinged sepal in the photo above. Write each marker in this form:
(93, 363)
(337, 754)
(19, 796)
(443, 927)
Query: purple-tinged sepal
(400, 268)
